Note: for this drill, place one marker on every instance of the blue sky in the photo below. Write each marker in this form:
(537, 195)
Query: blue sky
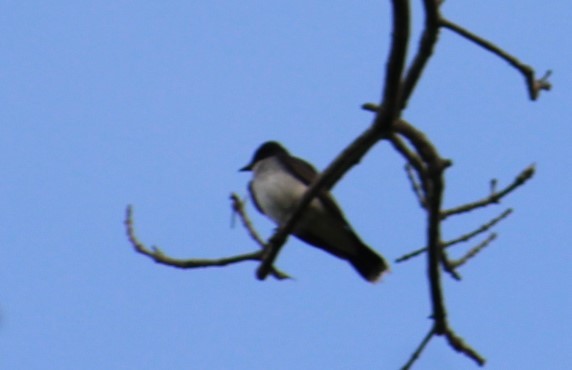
(109, 103)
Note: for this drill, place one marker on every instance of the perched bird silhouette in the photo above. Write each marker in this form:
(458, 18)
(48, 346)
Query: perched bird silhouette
(280, 180)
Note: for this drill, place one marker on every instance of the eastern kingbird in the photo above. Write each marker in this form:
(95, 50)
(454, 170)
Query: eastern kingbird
(279, 182)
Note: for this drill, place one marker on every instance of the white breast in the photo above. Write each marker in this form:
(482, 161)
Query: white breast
(277, 192)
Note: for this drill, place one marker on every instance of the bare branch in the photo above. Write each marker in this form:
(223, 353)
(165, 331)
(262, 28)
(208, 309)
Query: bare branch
(425, 170)
(534, 85)
(391, 100)
(434, 178)
(158, 256)
(456, 342)
(520, 180)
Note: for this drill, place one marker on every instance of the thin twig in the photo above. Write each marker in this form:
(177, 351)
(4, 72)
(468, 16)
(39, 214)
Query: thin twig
(480, 230)
(238, 207)
(448, 266)
(415, 355)
(520, 180)
(462, 238)
(458, 344)
(412, 159)
(424, 52)
(534, 86)
(159, 257)
(415, 185)
(473, 251)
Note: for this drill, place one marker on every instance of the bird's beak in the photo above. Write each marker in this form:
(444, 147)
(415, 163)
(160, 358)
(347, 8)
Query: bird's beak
(248, 167)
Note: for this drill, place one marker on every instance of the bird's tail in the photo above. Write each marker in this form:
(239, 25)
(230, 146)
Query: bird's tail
(369, 264)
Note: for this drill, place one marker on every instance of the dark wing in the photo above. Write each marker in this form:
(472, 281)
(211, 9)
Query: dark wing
(306, 173)
(301, 169)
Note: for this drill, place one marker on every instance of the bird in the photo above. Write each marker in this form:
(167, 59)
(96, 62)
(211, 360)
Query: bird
(278, 183)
